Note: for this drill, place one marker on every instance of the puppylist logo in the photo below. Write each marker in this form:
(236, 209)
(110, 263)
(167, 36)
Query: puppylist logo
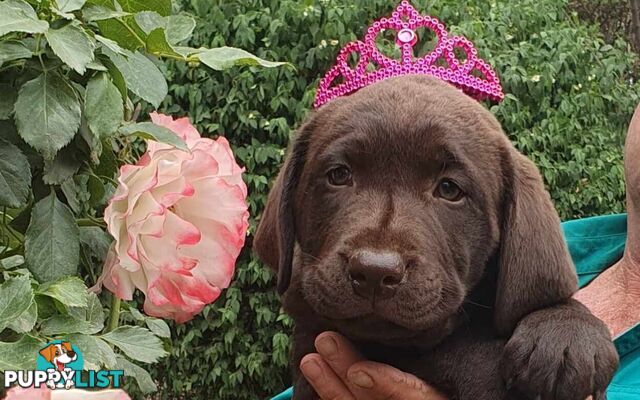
(59, 365)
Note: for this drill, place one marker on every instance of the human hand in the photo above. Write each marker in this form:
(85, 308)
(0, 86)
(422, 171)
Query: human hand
(337, 371)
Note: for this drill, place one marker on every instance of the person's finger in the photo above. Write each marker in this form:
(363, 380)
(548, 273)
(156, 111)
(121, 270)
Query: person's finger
(382, 382)
(340, 354)
(337, 352)
(323, 379)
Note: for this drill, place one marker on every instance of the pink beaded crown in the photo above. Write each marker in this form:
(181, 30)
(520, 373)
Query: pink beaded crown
(473, 76)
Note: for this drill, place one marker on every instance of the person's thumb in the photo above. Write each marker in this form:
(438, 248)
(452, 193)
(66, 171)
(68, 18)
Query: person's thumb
(380, 381)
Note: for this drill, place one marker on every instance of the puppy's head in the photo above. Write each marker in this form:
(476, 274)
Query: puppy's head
(62, 353)
(394, 201)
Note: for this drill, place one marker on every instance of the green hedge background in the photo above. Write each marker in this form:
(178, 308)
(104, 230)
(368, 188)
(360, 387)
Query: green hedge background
(570, 97)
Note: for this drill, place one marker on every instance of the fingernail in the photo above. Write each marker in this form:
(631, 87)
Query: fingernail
(327, 346)
(361, 379)
(311, 369)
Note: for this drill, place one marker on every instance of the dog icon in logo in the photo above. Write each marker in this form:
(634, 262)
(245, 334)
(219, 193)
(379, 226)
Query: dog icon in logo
(59, 354)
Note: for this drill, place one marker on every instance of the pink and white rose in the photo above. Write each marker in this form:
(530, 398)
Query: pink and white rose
(179, 219)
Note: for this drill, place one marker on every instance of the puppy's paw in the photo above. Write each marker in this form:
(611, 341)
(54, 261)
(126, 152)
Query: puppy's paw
(560, 353)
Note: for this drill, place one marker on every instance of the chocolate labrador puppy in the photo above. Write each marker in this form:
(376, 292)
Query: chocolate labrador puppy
(404, 219)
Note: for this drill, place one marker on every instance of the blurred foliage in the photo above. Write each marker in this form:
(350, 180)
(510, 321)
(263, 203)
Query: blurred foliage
(613, 16)
(74, 75)
(570, 97)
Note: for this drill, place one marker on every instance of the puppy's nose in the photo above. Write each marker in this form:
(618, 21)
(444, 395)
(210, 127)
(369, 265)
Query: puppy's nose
(375, 273)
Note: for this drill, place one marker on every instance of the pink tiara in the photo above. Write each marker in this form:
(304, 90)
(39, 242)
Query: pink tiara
(473, 76)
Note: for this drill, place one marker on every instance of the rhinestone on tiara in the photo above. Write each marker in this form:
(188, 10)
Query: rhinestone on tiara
(473, 75)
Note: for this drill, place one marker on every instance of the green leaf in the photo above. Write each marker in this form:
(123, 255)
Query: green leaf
(157, 44)
(94, 313)
(67, 6)
(96, 352)
(158, 327)
(124, 30)
(21, 222)
(20, 355)
(52, 245)
(19, 16)
(186, 51)
(47, 113)
(70, 291)
(142, 377)
(96, 66)
(110, 44)
(222, 58)
(13, 50)
(95, 241)
(7, 100)
(179, 28)
(137, 315)
(97, 191)
(72, 44)
(150, 20)
(137, 343)
(17, 296)
(12, 262)
(92, 140)
(108, 166)
(60, 324)
(94, 12)
(162, 7)
(62, 167)
(141, 75)
(121, 28)
(116, 77)
(87, 320)
(103, 106)
(70, 191)
(151, 131)
(26, 321)
(15, 176)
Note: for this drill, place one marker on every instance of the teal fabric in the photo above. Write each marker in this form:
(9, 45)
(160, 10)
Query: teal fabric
(286, 395)
(596, 244)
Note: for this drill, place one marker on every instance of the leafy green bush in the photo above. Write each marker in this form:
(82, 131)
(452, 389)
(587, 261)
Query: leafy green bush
(570, 99)
(74, 76)
(613, 16)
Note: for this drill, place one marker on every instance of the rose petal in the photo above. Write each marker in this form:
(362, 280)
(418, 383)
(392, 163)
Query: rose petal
(179, 220)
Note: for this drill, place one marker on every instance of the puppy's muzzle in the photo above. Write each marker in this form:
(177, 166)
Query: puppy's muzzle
(375, 274)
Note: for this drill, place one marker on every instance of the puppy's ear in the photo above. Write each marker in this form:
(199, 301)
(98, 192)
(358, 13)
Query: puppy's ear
(48, 352)
(535, 268)
(275, 237)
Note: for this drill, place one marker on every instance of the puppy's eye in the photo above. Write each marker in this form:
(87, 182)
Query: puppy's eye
(449, 190)
(340, 176)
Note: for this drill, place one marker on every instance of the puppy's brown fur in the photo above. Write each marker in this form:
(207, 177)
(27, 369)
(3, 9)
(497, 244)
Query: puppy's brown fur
(475, 267)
